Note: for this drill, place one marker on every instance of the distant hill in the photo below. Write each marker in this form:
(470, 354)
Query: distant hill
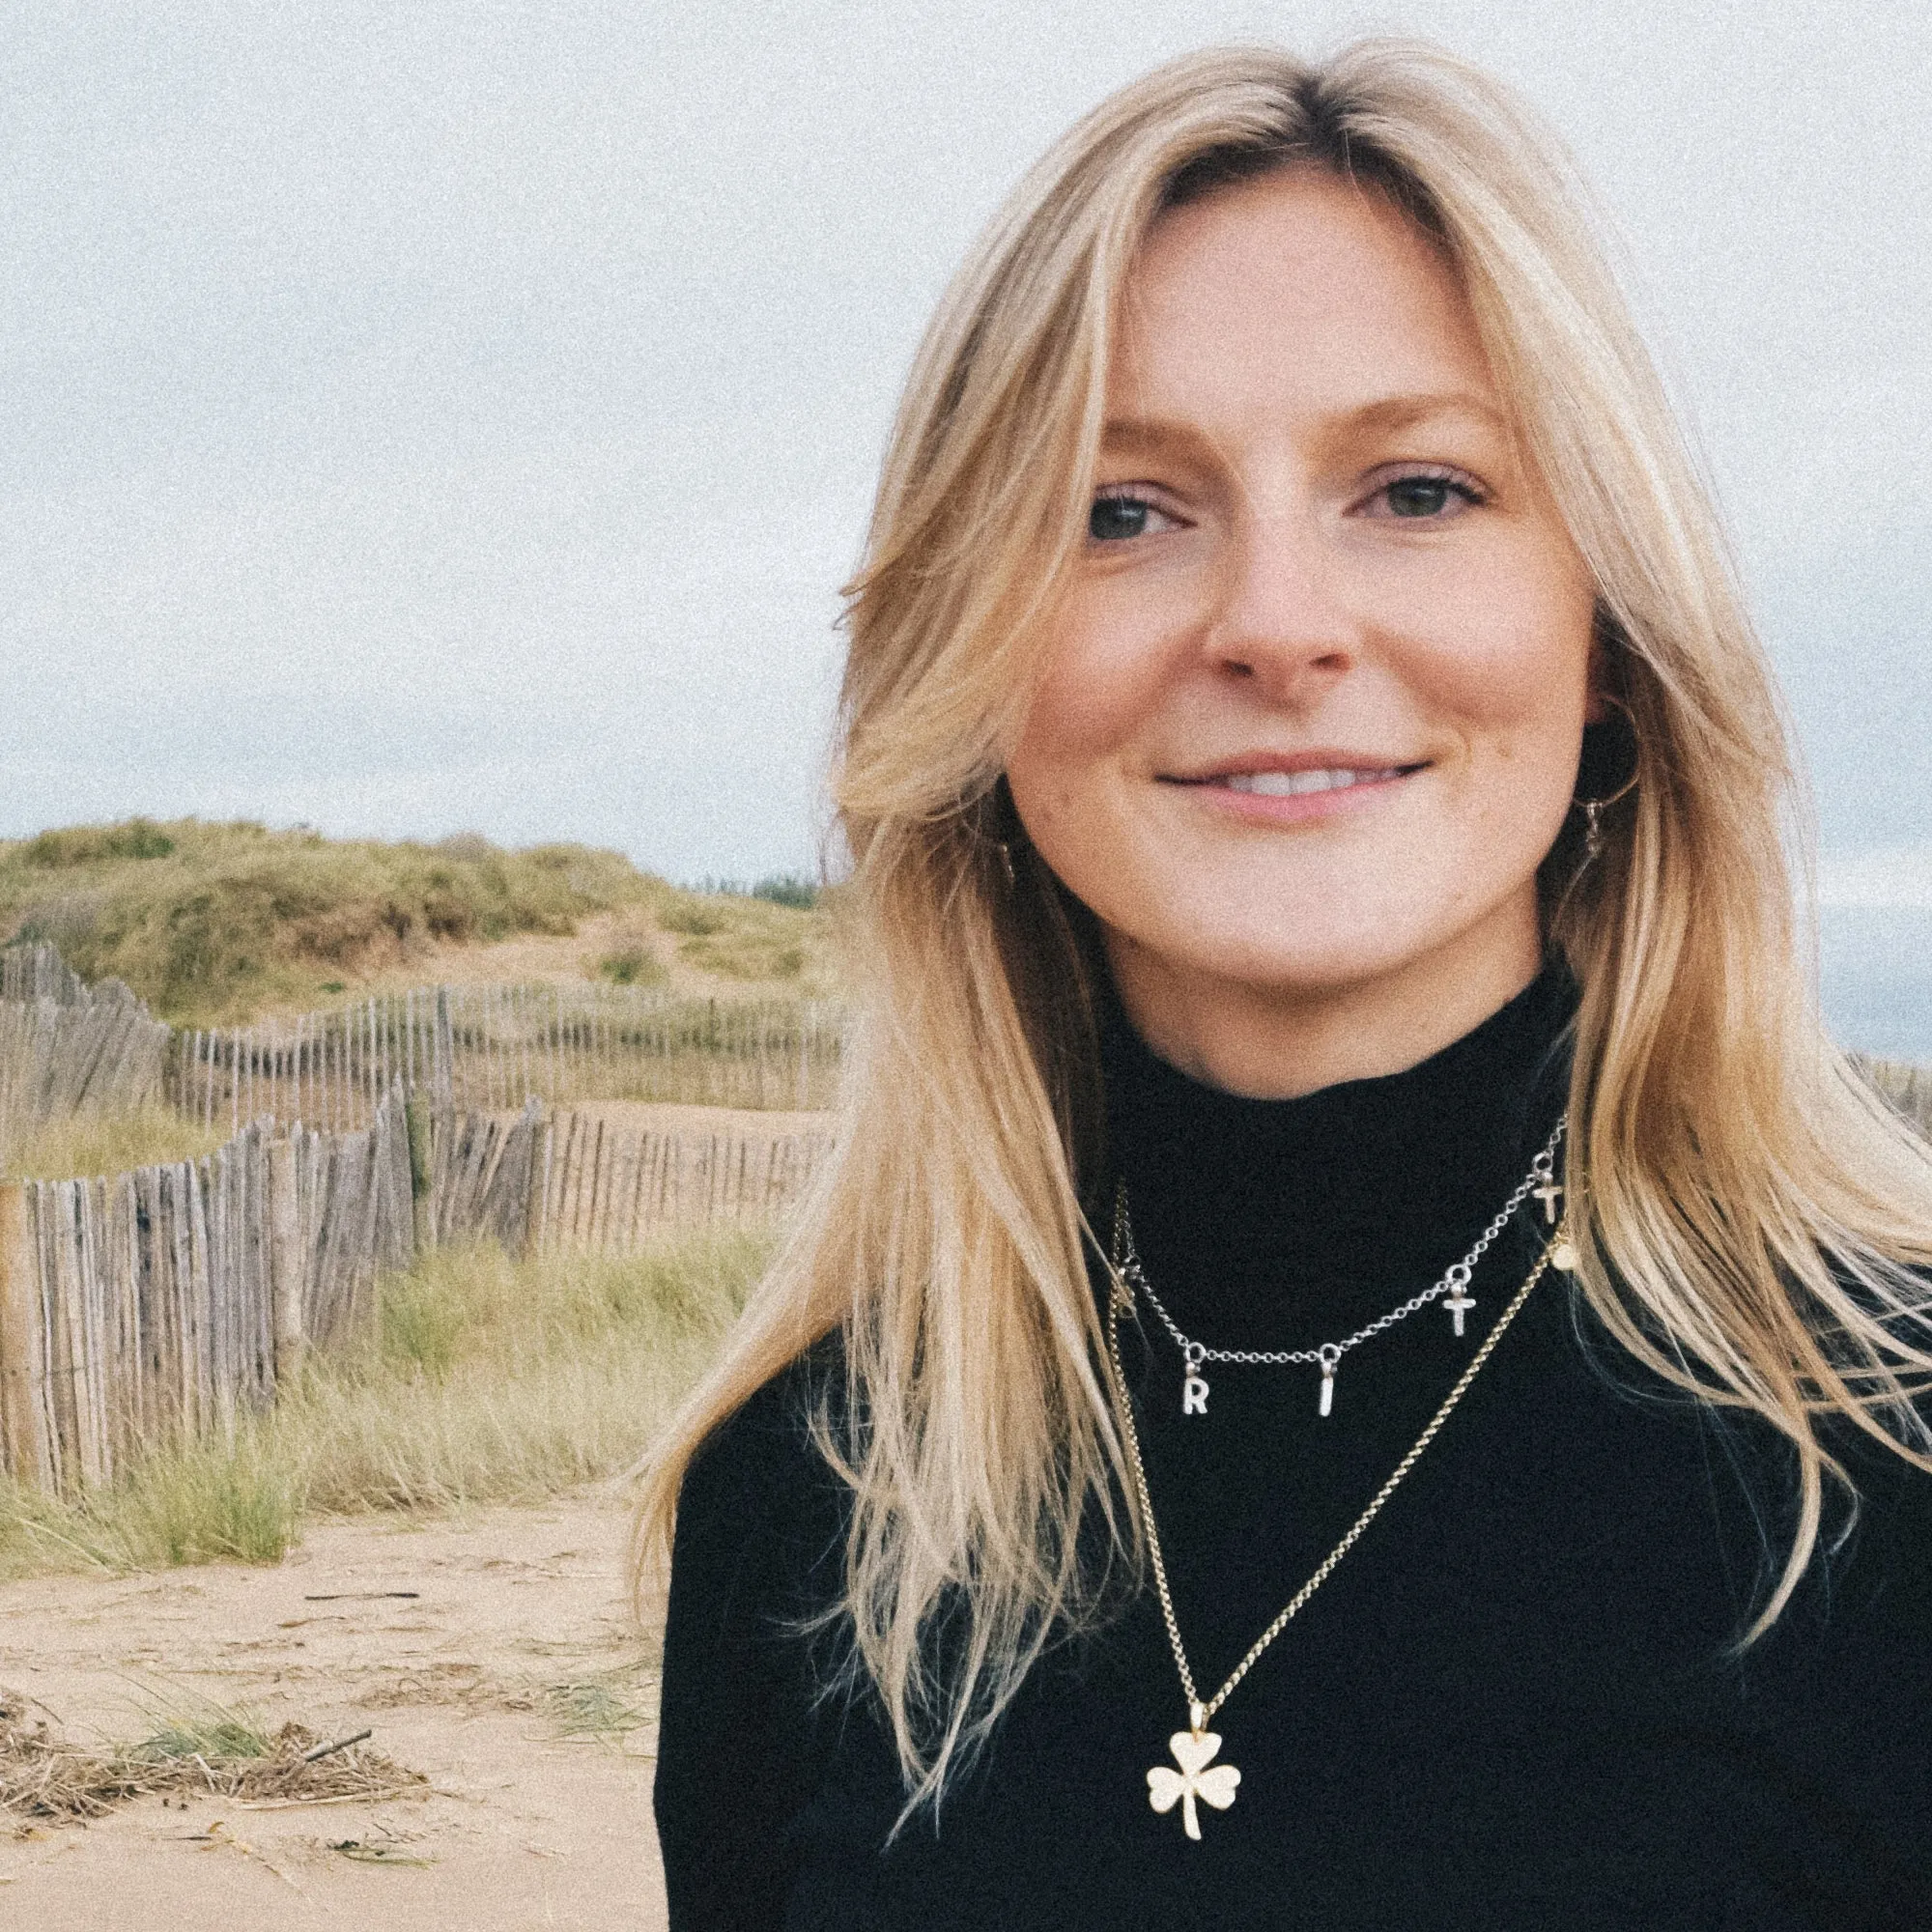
(213, 924)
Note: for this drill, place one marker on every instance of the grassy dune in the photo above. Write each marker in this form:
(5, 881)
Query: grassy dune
(212, 924)
(489, 1380)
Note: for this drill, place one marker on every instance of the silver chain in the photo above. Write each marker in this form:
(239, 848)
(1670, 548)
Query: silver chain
(1198, 1711)
(1542, 1173)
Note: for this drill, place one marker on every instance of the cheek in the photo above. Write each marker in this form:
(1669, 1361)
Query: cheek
(1101, 679)
(1509, 662)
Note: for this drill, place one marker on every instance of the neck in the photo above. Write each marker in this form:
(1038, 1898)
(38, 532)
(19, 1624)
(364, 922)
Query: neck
(1269, 1041)
(1316, 1212)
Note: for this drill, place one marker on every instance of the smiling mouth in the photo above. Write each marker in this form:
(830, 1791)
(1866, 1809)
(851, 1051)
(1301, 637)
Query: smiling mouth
(1296, 785)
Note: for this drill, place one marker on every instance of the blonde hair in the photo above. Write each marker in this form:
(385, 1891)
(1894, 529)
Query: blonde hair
(1748, 1209)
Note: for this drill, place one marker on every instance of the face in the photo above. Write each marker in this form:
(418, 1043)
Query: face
(1311, 708)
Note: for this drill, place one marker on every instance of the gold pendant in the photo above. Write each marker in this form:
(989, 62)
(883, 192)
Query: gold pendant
(1563, 1252)
(1198, 1777)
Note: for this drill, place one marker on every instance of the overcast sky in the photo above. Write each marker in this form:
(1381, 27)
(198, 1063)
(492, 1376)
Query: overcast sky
(422, 416)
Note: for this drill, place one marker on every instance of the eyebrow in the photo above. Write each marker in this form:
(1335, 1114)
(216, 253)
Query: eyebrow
(1155, 435)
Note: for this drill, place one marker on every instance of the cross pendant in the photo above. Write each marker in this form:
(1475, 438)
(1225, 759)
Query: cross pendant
(1550, 1194)
(1458, 1305)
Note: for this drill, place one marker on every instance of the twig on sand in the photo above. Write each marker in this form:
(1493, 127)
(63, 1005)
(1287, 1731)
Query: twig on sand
(322, 1751)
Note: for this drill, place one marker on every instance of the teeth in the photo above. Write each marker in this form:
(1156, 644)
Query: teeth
(1291, 785)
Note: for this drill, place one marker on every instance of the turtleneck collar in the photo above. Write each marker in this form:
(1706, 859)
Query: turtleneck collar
(1267, 1220)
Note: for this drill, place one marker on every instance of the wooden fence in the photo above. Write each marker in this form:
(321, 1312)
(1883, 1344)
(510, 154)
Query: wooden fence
(34, 970)
(577, 1180)
(489, 1049)
(608, 1190)
(165, 1302)
(68, 1048)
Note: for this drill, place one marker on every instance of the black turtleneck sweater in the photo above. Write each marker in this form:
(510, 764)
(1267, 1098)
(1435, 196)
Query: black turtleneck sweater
(1515, 1704)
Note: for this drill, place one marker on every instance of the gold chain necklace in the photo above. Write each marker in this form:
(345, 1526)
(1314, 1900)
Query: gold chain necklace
(1200, 1779)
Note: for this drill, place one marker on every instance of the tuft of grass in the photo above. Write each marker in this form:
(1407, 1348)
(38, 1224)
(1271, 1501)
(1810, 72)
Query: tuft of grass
(694, 918)
(489, 1380)
(420, 1321)
(89, 1144)
(186, 1727)
(215, 1501)
(602, 1709)
(633, 966)
(90, 844)
(741, 936)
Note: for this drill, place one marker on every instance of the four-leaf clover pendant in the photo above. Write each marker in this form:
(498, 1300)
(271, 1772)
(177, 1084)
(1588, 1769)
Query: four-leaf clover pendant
(1198, 1777)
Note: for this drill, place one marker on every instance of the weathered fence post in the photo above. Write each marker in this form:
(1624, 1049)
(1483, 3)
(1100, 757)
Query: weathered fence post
(417, 1125)
(442, 1064)
(286, 1272)
(23, 1414)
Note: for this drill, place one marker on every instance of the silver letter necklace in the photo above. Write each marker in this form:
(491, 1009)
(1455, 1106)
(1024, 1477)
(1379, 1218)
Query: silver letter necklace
(1195, 1357)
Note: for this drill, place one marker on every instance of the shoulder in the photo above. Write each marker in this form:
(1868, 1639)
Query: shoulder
(757, 1489)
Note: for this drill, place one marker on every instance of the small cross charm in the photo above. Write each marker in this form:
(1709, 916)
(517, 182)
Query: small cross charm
(1458, 1305)
(1550, 1194)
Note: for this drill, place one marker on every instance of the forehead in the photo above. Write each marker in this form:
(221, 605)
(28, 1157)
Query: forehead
(1293, 291)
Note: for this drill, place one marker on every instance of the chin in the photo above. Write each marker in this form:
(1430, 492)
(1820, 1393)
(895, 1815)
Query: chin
(1290, 963)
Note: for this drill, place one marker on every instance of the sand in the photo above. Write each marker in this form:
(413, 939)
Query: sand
(513, 1676)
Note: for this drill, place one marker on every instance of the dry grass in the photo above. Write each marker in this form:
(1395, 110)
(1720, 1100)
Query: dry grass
(210, 923)
(90, 1143)
(217, 923)
(745, 936)
(200, 1753)
(490, 1380)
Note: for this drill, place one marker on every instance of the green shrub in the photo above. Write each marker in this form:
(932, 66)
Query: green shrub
(634, 966)
(90, 844)
(787, 889)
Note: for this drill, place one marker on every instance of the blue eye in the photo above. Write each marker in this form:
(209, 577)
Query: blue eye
(1421, 498)
(1114, 518)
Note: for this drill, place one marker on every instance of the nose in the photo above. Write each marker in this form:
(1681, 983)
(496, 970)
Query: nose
(1282, 619)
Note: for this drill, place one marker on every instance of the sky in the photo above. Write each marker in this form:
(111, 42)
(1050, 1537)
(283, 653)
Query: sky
(438, 417)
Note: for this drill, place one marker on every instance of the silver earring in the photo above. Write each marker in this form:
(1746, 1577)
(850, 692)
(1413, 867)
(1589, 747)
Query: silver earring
(1006, 861)
(1593, 819)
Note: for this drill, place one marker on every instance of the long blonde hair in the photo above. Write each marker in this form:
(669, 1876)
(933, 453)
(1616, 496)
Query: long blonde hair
(1747, 1211)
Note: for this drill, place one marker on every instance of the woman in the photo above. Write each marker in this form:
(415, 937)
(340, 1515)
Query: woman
(1325, 1382)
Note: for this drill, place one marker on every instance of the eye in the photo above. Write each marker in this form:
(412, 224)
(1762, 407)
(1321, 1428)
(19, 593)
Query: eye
(1119, 515)
(1425, 495)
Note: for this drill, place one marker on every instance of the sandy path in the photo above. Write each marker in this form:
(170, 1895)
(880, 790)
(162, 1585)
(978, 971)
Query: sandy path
(469, 1681)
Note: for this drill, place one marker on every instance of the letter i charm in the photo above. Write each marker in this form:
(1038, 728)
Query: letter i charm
(1330, 1359)
(1194, 1385)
